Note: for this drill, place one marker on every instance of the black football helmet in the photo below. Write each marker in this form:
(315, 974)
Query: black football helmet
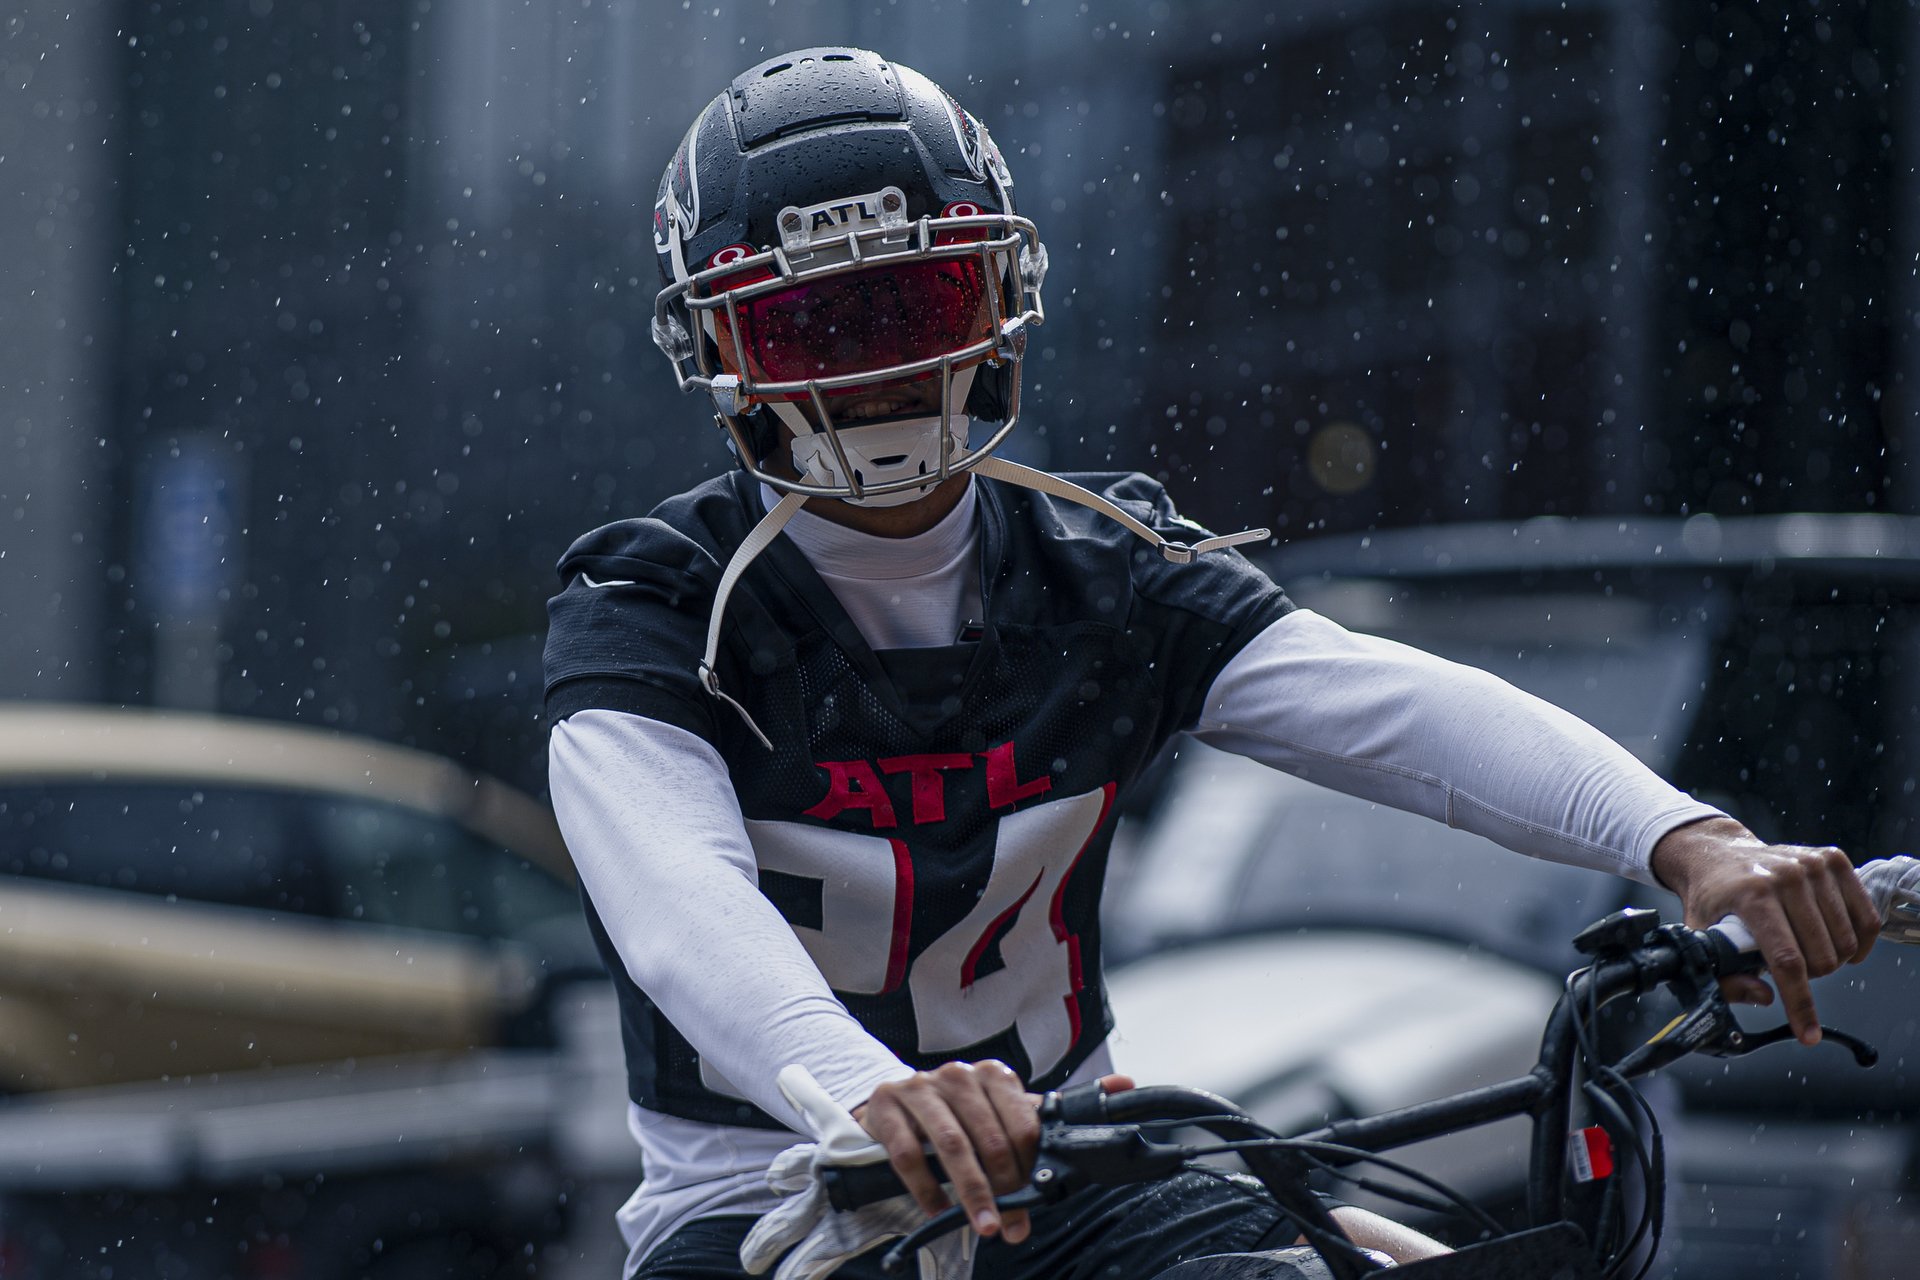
(835, 223)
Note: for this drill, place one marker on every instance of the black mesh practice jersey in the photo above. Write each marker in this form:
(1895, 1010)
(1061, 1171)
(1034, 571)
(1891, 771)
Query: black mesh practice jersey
(933, 823)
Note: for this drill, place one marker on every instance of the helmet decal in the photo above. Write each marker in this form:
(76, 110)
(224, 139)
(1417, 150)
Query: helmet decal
(731, 254)
(962, 209)
(967, 133)
(997, 165)
(680, 196)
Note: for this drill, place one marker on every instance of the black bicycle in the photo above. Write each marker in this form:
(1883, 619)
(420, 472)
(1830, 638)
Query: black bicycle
(1598, 1232)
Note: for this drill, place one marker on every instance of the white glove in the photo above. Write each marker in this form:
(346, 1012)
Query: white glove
(1894, 886)
(820, 1236)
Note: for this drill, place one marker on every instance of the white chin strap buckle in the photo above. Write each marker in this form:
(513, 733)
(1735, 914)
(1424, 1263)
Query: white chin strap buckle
(878, 454)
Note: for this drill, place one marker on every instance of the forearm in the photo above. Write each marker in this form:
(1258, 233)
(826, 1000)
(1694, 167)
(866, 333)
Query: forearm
(655, 830)
(1398, 1241)
(1401, 727)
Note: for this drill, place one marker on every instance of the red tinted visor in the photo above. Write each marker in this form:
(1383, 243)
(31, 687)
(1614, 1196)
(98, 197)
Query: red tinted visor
(866, 320)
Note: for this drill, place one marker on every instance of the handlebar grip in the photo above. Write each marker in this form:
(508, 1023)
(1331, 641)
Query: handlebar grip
(1734, 948)
(1733, 931)
(1077, 1104)
(851, 1187)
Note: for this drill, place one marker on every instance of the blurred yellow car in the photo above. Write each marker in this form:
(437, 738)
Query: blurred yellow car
(185, 895)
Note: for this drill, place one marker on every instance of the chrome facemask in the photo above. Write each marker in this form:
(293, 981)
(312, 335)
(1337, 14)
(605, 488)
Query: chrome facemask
(1013, 264)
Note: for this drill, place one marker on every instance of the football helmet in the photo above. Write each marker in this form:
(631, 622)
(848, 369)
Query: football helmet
(840, 254)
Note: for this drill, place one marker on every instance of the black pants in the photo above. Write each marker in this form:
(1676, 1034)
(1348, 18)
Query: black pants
(1102, 1233)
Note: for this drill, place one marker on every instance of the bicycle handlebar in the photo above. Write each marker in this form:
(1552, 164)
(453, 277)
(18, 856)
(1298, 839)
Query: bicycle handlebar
(1090, 1137)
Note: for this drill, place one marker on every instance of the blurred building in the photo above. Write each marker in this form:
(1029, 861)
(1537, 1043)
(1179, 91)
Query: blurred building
(1519, 259)
(326, 325)
(56, 346)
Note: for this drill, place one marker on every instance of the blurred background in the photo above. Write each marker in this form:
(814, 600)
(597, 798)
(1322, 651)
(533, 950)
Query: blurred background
(323, 330)
(325, 324)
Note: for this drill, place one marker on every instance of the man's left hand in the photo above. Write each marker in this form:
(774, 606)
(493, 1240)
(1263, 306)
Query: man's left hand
(1805, 907)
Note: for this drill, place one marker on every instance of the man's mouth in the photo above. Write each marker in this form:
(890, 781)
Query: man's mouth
(891, 406)
(890, 402)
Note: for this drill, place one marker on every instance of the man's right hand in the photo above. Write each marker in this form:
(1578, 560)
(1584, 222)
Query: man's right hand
(983, 1124)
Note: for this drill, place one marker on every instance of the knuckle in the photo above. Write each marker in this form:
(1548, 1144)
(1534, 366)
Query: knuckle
(952, 1071)
(993, 1149)
(1788, 962)
(1836, 859)
(970, 1187)
(948, 1137)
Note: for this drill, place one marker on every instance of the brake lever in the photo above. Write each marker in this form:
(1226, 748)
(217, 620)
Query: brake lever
(1707, 1024)
(954, 1218)
(1711, 1028)
(1739, 1042)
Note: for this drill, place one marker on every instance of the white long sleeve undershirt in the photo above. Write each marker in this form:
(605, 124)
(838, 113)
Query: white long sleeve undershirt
(654, 827)
(1398, 726)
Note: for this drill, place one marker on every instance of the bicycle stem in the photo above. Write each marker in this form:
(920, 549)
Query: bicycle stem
(1544, 1094)
(1390, 1129)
